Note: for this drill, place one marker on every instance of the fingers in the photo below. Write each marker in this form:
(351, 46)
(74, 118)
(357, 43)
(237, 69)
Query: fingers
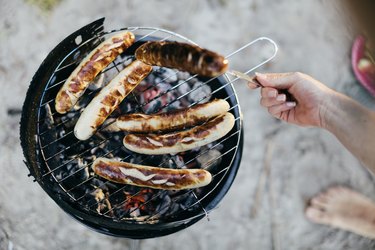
(252, 85)
(275, 103)
(279, 108)
(268, 92)
(272, 101)
(271, 97)
(278, 80)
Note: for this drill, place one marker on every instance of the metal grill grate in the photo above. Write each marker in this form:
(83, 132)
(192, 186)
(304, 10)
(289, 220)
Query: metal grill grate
(68, 160)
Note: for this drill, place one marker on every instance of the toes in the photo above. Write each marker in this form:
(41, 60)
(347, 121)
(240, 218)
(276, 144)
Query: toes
(338, 191)
(327, 199)
(316, 215)
(321, 201)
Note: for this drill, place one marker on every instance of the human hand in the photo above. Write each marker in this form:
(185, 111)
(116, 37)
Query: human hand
(309, 97)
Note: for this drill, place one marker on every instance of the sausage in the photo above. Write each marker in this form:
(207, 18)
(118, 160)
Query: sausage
(182, 56)
(109, 98)
(89, 68)
(175, 120)
(152, 177)
(152, 144)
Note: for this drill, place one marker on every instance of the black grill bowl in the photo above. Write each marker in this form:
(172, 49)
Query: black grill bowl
(36, 164)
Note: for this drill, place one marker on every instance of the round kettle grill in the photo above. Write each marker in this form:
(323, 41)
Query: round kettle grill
(61, 164)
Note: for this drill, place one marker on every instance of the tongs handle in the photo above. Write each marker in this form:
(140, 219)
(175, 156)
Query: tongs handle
(245, 77)
(254, 80)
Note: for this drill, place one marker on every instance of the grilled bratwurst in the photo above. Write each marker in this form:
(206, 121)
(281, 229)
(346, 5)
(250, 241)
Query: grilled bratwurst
(176, 142)
(89, 68)
(152, 177)
(175, 120)
(182, 56)
(109, 98)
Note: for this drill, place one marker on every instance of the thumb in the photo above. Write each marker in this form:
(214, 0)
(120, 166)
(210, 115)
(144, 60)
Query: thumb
(277, 80)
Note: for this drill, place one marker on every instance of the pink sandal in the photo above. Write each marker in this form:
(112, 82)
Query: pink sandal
(363, 69)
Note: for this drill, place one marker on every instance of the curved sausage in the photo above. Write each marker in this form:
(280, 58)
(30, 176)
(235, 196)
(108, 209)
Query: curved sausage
(152, 144)
(175, 120)
(109, 98)
(89, 68)
(152, 177)
(182, 56)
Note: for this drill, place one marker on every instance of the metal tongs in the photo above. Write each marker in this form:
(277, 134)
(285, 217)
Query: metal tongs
(253, 79)
(244, 75)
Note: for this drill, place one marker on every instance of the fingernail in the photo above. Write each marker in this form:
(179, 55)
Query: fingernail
(281, 98)
(252, 85)
(291, 104)
(259, 74)
(272, 93)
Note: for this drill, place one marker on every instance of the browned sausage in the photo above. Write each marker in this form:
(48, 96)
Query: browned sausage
(175, 120)
(182, 56)
(176, 142)
(109, 98)
(152, 177)
(89, 68)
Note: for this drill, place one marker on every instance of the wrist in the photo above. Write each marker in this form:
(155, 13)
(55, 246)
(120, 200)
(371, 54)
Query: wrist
(339, 112)
(329, 109)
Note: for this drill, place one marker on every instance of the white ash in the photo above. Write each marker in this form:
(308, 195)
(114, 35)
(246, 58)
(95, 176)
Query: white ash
(210, 159)
(183, 75)
(169, 75)
(183, 88)
(201, 93)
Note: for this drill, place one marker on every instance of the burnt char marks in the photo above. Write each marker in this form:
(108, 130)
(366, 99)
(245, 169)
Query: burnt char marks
(173, 120)
(64, 101)
(76, 86)
(168, 140)
(153, 177)
(88, 71)
(109, 98)
(90, 67)
(108, 172)
(177, 142)
(182, 56)
(103, 56)
(112, 99)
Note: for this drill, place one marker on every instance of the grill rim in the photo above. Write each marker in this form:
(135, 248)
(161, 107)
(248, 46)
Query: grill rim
(30, 108)
(33, 158)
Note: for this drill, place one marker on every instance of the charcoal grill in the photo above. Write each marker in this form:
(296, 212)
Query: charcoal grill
(61, 164)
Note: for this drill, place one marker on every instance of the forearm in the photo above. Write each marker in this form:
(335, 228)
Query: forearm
(353, 125)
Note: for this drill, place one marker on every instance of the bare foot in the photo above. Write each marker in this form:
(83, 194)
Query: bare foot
(343, 208)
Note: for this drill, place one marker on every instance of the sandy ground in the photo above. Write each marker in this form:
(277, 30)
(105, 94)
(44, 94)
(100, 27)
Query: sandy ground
(302, 161)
